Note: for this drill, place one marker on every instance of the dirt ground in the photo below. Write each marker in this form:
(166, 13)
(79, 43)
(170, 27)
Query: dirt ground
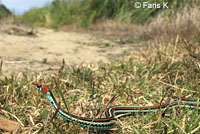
(43, 50)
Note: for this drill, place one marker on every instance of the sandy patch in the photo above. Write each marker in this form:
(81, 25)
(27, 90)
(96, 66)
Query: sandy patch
(47, 48)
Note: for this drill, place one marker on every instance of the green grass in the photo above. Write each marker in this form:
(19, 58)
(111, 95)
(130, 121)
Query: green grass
(86, 12)
(35, 16)
(100, 44)
(4, 12)
(88, 88)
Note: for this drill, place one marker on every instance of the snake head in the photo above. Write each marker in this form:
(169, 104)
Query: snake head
(40, 87)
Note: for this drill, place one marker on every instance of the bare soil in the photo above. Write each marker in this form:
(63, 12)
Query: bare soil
(43, 50)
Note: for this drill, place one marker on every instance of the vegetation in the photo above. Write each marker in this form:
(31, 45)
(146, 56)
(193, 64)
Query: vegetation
(89, 88)
(86, 12)
(171, 51)
(4, 12)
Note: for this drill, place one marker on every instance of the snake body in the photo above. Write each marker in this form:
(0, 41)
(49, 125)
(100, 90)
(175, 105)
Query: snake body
(111, 113)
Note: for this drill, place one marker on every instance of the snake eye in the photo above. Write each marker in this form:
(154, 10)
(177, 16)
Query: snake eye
(38, 85)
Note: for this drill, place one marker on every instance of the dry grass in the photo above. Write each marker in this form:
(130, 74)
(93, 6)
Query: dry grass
(87, 88)
(165, 27)
(184, 24)
(117, 31)
(170, 51)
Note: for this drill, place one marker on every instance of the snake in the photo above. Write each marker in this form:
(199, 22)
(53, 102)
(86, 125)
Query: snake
(112, 113)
